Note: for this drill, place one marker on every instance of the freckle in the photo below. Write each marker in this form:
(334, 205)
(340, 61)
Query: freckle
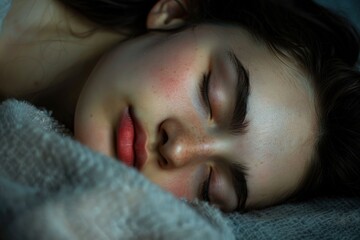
(91, 115)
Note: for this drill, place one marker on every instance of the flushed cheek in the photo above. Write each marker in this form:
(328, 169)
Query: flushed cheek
(90, 133)
(182, 182)
(180, 188)
(178, 184)
(171, 76)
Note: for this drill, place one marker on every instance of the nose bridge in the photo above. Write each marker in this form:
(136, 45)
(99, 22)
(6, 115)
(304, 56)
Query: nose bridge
(184, 144)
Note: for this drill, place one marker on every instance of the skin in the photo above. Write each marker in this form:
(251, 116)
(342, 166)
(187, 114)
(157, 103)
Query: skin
(159, 74)
(40, 49)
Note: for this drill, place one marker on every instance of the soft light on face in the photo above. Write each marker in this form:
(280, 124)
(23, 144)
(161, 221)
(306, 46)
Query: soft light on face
(189, 148)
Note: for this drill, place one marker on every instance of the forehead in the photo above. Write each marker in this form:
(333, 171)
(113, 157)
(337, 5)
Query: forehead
(278, 144)
(282, 125)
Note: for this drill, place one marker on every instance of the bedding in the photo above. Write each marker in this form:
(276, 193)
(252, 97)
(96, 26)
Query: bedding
(4, 9)
(52, 187)
(347, 8)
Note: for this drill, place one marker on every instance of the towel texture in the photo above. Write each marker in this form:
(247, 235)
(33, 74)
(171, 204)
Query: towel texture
(4, 9)
(325, 218)
(52, 187)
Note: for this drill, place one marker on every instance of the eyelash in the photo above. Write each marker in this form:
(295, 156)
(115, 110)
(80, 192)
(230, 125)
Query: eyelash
(204, 89)
(205, 188)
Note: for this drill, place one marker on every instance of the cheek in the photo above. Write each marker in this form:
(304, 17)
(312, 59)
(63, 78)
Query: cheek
(183, 182)
(178, 183)
(172, 76)
(179, 187)
(91, 138)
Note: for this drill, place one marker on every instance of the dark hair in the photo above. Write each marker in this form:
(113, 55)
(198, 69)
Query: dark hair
(325, 45)
(114, 14)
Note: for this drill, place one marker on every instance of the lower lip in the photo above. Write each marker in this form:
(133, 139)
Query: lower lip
(125, 137)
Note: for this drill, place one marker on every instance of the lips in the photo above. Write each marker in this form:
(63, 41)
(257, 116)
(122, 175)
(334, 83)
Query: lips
(131, 140)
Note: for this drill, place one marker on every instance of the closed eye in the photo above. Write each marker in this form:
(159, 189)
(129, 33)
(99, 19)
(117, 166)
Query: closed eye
(204, 92)
(205, 189)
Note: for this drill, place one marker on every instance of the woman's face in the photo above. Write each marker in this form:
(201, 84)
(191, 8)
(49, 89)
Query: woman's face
(164, 104)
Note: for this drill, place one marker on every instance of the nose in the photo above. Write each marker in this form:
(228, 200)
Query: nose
(181, 145)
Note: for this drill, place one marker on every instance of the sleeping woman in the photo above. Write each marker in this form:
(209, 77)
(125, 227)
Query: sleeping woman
(244, 104)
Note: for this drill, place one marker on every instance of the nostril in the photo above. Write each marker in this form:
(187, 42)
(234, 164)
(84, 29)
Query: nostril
(163, 162)
(164, 137)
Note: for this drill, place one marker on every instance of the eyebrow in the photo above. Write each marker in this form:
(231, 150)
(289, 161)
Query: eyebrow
(238, 126)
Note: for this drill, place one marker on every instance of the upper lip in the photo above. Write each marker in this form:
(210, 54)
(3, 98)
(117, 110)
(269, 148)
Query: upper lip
(139, 142)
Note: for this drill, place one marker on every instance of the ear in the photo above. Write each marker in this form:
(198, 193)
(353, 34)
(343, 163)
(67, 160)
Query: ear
(167, 15)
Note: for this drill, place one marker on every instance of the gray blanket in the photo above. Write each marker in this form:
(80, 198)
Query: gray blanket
(52, 187)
